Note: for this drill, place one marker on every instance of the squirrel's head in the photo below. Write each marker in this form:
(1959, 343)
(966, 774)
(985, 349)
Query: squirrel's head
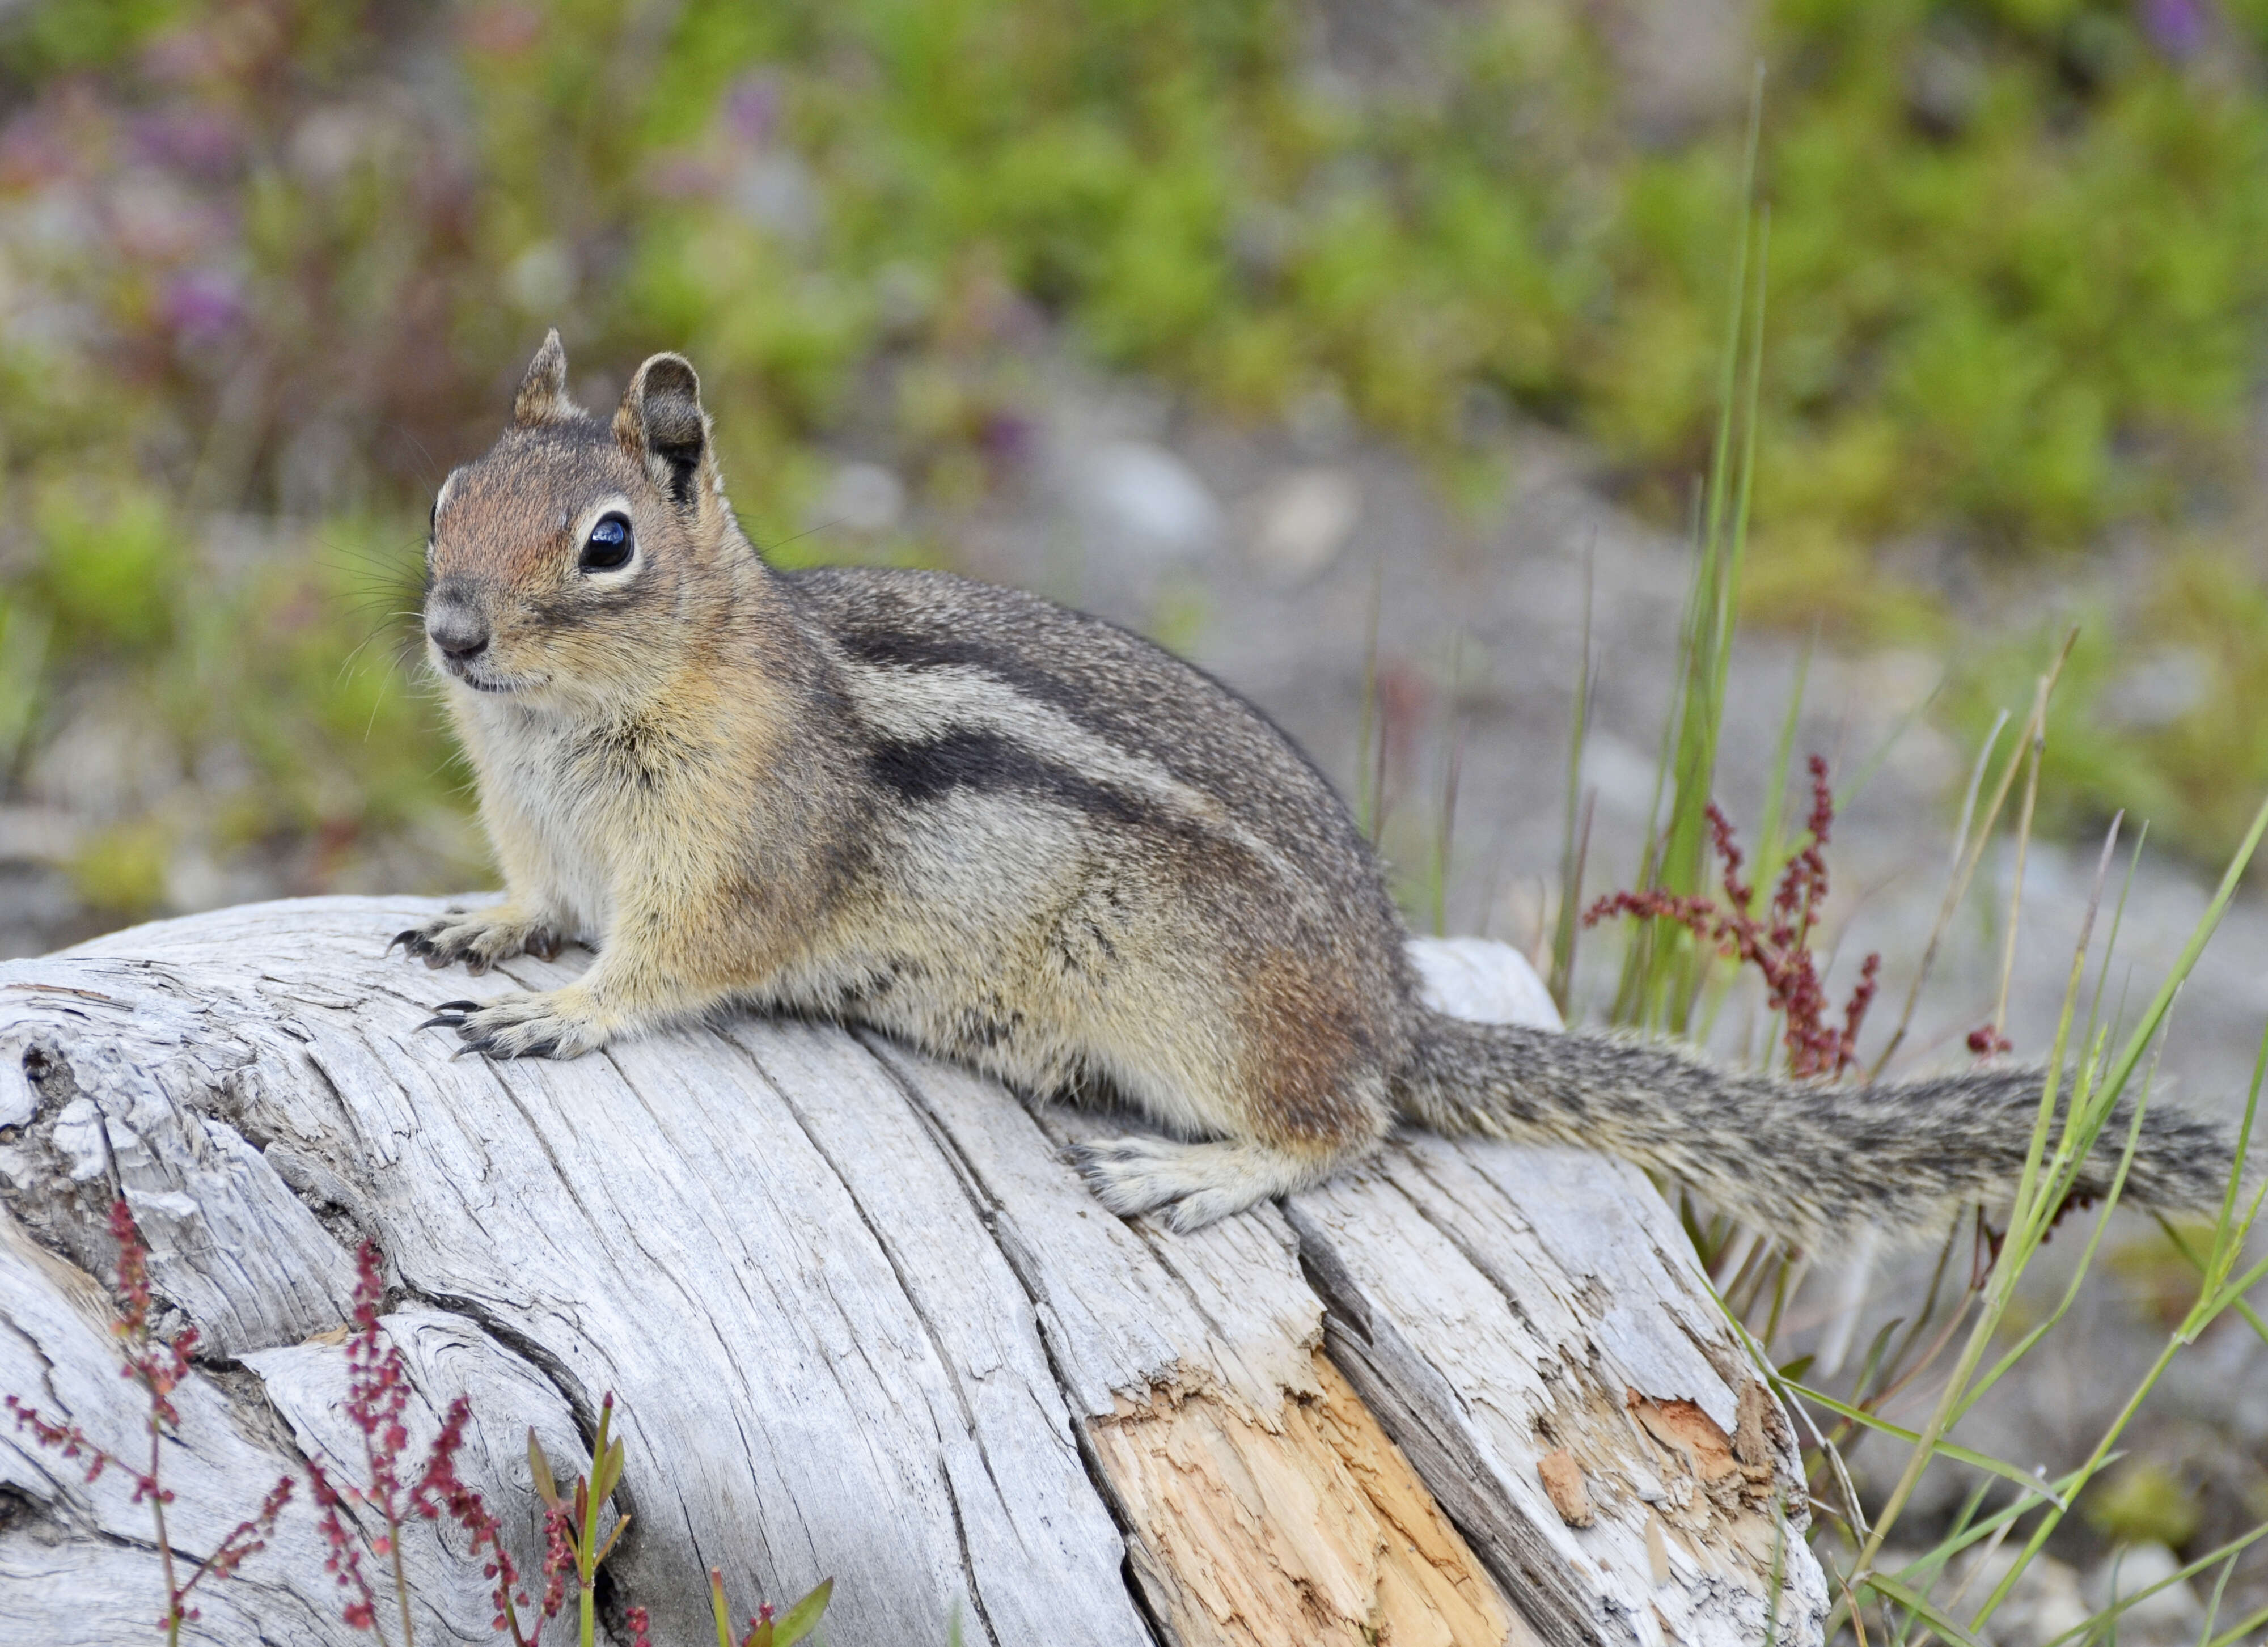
(567, 562)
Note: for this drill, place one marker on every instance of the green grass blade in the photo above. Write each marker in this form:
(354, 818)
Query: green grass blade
(1920, 1606)
(1773, 819)
(2250, 1316)
(1941, 1447)
(2227, 1551)
(1568, 929)
(2207, 925)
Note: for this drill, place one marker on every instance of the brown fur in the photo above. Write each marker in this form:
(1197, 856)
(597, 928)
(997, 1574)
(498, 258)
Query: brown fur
(1021, 837)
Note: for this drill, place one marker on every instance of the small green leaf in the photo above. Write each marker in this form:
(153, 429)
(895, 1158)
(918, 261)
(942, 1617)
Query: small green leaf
(607, 1548)
(540, 1468)
(802, 1617)
(717, 1605)
(609, 1471)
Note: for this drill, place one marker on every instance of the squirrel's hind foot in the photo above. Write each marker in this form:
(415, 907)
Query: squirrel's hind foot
(1189, 1186)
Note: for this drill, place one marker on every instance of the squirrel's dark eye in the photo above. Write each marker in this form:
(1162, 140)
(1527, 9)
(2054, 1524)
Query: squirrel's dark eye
(609, 545)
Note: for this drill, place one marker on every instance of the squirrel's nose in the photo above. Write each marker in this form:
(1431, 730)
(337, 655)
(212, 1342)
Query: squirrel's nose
(460, 634)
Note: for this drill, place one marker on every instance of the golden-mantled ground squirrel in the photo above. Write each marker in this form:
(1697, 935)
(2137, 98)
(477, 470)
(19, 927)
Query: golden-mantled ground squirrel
(1027, 840)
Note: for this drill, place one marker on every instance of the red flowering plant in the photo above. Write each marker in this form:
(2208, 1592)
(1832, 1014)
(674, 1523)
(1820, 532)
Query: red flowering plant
(1778, 944)
(158, 1365)
(395, 1489)
(378, 1395)
(571, 1544)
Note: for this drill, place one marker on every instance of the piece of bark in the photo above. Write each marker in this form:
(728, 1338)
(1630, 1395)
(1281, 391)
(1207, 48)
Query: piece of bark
(861, 1319)
(1562, 1484)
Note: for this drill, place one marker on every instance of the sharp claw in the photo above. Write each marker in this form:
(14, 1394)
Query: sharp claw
(405, 939)
(458, 1006)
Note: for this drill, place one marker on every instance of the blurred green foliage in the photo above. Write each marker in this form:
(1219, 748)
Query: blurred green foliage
(2145, 1503)
(281, 259)
(2154, 712)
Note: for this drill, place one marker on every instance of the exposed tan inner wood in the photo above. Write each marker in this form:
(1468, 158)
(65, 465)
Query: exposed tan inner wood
(1305, 1528)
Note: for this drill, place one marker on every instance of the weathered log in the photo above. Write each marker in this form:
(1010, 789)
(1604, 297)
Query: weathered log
(861, 1320)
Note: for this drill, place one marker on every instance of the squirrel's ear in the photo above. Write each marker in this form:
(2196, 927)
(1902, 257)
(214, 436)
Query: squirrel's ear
(661, 424)
(543, 397)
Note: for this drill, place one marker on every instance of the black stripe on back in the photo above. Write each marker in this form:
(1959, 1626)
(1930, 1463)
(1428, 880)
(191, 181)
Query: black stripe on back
(909, 649)
(968, 758)
(919, 651)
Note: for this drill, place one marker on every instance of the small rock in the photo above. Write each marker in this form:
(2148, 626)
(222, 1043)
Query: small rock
(1484, 415)
(2044, 1603)
(905, 297)
(775, 191)
(541, 279)
(324, 147)
(1141, 501)
(2158, 691)
(1946, 82)
(38, 835)
(1623, 775)
(861, 497)
(1301, 523)
(2172, 1614)
(109, 762)
(1321, 424)
(1682, 66)
(195, 880)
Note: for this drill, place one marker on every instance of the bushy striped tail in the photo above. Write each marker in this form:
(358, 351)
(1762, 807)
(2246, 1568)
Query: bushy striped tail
(1813, 1161)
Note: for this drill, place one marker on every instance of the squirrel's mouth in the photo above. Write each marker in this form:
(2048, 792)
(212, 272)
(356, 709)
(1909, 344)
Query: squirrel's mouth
(482, 682)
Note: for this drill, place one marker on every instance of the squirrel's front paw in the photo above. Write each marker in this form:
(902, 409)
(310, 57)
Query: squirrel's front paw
(478, 937)
(558, 1023)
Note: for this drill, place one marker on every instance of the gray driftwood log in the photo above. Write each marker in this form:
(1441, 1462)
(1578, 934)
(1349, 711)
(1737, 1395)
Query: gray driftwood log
(861, 1320)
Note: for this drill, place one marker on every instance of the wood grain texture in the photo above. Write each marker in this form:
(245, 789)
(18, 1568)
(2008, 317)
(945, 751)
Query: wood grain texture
(860, 1319)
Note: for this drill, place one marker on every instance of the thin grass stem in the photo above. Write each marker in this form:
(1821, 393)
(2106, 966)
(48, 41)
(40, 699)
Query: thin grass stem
(1956, 882)
(1569, 926)
(2038, 747)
